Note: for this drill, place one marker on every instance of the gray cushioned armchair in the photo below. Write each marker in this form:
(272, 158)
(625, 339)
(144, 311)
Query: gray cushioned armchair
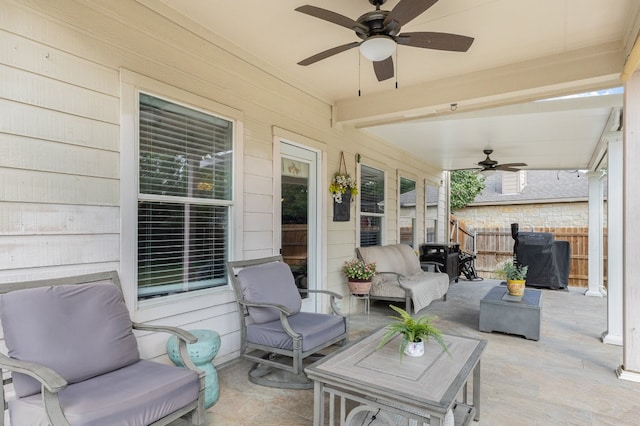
(275, 334)
(74, 358)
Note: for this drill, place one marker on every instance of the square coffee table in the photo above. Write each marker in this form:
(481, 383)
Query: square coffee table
(504, 313)
(422, 389)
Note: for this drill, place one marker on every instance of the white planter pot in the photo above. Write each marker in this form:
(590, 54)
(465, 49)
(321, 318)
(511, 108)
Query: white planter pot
(414, 348)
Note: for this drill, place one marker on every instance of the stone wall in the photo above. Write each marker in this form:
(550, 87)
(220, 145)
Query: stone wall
(526, 215)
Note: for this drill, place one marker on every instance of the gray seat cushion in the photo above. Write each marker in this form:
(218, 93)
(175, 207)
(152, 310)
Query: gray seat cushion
(269, 283)
(138, 394)
(316, 329)
(88, 333)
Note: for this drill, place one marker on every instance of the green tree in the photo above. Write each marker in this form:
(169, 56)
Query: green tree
(465, 185)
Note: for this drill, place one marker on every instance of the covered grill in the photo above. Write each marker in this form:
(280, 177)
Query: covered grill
(548, 260)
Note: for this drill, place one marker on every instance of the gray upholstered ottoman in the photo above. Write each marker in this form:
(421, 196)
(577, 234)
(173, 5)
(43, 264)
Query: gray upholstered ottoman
(498, 312)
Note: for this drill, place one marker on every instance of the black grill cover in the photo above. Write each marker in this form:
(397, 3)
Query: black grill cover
(548, 260)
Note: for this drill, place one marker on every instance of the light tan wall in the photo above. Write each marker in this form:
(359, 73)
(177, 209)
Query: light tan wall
(60, 145)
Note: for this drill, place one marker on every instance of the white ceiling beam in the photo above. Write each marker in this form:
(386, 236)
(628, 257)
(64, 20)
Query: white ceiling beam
(582, 69)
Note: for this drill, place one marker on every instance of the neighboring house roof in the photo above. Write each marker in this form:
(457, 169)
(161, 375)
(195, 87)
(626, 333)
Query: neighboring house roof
(542, 186)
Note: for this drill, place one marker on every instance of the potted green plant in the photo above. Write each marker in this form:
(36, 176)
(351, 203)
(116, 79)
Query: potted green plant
(515, 274)
(415, 332)
(359, 274)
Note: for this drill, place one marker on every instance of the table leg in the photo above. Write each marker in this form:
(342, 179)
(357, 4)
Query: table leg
(318, 404)
(476, 390)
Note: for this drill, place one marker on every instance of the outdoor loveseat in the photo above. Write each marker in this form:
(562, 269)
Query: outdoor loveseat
(400, 277)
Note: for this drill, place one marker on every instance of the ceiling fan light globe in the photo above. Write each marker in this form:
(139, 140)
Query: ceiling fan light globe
(378, 48)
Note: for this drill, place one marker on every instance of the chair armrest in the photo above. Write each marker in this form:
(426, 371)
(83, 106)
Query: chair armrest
(397, 276)
(183, 336)
(176, 331)
(329, 292)
(51, 380)
(333, 296)
(279, 307)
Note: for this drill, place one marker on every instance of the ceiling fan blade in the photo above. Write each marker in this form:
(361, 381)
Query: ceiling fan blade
(513, 165)
(329, 16)
(435, 40)
(407, 10)
(329, 52)
(506, 168)
(383, 69)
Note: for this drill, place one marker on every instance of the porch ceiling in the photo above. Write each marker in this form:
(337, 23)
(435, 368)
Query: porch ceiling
(522, 51)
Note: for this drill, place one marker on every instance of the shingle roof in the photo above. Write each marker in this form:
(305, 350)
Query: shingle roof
(541, 186)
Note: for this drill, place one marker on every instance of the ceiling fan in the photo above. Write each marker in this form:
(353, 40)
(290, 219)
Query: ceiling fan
(380, 34)
(491, 165)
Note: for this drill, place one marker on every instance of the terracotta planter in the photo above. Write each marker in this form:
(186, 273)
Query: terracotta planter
(359, 286)
(515, 287)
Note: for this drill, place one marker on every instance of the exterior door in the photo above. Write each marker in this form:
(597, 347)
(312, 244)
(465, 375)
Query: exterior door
(299, 217)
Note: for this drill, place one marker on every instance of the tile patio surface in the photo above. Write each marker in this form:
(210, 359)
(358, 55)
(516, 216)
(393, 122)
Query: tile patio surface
(566, 378)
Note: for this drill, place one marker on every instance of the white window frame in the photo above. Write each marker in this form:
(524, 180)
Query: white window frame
(145, 310)
(383, 216)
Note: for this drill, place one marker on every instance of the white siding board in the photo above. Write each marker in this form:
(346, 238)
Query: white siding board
(18, 152)
(256, 203)
(40, 187)
(51, 250)
(44, 92)
(48, 272)
(257, 166)
(262, 240)
(258, 184)
(52, 219)
(258, 222)
(42, 58)
(19, 119)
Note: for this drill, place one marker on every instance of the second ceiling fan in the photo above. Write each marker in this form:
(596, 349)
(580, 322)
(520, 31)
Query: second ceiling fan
(380, 34)
(488, 164)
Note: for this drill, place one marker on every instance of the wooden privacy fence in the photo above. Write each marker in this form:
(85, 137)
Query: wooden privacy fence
(495, 245)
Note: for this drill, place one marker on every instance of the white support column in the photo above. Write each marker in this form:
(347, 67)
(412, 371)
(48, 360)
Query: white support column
(613, 335)
(595, 234)
(630, 368)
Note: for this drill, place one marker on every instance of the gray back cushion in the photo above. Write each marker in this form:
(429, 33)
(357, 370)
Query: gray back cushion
(269, 283)
(80, 331)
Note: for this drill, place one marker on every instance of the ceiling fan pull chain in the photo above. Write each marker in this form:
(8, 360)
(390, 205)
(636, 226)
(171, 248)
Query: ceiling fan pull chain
(397, 68)
(359, 72)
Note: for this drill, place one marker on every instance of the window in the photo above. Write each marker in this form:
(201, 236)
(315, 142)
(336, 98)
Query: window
(371, 206)
(407, 215)
(431, 212)
(184, 199)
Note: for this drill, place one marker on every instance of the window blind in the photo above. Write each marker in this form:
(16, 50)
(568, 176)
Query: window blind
(185, 175)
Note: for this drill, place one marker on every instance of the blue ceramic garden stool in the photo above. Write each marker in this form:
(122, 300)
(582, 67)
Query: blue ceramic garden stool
(201, 353)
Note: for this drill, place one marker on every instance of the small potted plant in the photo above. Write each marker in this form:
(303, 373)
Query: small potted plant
(359, 274)
(516, 275)
(415, 332)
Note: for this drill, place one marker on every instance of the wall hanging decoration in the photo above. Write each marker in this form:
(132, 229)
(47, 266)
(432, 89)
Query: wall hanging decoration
(343, 188)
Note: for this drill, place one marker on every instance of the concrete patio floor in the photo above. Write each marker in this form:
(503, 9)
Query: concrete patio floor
(566, 378)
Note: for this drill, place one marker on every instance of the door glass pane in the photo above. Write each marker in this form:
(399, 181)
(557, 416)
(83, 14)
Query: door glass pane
(295, 215)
